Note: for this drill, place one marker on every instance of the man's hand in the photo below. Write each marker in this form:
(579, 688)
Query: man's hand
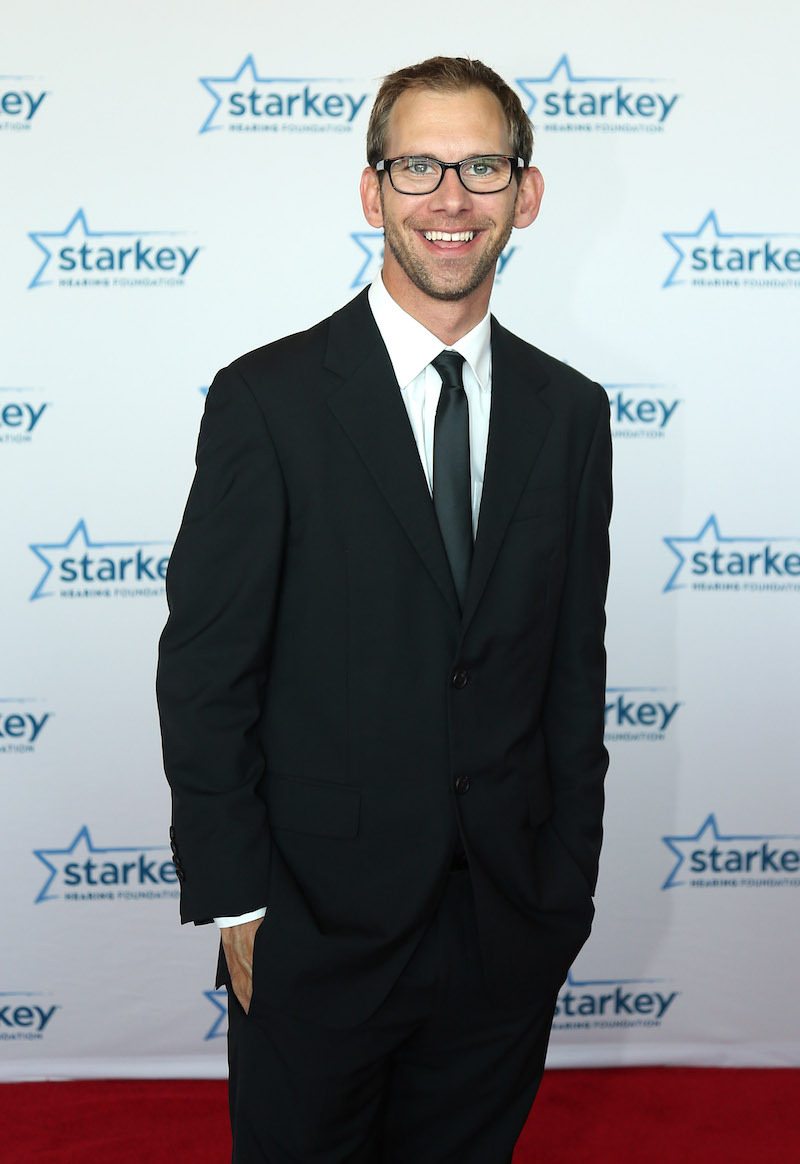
(237, 942)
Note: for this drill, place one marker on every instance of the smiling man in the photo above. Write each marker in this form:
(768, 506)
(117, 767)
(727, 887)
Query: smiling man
(382, 680)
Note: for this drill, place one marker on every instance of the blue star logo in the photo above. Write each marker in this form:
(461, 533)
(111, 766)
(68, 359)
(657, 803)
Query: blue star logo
(247, 74)
(219, 1027)
(79, 536)
(76, 229)
(709, 535)
(708, 829)
(707, 233)
(370, 242)
(81, 845)
(564, 68)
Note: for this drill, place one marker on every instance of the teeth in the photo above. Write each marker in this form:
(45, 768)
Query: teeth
(443, 236)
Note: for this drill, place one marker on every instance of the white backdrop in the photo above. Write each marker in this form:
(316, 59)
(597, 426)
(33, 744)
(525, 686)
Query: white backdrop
(180, 187)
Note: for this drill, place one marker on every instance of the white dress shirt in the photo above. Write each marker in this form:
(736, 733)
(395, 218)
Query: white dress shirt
(411, 348)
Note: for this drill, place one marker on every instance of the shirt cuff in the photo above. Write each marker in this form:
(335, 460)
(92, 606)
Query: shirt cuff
(225, 923)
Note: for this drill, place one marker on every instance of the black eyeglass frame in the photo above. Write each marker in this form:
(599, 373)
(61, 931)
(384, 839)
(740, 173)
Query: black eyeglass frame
(385, 166)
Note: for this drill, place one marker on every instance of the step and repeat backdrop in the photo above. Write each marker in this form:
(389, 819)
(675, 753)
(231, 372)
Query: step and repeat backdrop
(180, 186)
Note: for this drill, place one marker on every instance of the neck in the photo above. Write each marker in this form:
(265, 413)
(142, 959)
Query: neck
(447, 319)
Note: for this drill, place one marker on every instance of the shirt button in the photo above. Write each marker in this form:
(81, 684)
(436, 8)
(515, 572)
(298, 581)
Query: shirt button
(459, 678)
(462, 785)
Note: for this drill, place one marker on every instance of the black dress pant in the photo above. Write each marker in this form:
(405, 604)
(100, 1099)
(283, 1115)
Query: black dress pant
(441, 1074)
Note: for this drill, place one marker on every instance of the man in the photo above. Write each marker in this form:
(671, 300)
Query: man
(388, 736)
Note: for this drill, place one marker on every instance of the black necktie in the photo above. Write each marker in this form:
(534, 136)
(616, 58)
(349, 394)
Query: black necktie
(451, 477)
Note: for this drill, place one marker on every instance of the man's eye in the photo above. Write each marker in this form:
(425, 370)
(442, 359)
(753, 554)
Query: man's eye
(481, 167)
(420, 166)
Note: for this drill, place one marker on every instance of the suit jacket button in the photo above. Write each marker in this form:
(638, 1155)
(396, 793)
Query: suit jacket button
(459, 678)
(462, 785)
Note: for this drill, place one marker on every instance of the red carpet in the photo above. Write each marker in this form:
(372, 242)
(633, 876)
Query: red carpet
(656, 1115)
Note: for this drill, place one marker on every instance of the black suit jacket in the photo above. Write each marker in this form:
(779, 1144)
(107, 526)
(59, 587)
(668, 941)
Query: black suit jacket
(331, 722)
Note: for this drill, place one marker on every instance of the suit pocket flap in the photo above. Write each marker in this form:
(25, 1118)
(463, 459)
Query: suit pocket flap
(312, 806)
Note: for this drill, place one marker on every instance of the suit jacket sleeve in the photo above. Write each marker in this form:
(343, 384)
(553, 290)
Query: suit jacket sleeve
(573, 717)
(222, 592)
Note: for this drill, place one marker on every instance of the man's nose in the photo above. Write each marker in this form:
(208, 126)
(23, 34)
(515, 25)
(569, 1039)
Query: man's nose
(450, 195)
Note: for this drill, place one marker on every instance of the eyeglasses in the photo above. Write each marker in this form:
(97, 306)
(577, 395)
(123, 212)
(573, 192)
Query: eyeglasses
(487, 174)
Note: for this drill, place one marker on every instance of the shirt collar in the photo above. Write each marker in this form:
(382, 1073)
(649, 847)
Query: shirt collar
(411, 346)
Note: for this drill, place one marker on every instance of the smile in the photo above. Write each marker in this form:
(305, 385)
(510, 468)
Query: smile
(443, 236)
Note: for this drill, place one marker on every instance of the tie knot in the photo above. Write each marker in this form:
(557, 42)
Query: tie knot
(449, 365)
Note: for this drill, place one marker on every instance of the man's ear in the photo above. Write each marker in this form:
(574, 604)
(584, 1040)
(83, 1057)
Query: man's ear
(529, 197)
(371, 197)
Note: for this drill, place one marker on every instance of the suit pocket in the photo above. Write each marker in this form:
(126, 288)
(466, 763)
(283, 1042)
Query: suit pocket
(313, 806)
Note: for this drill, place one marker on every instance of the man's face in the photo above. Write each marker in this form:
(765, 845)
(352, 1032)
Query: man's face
(450, 127)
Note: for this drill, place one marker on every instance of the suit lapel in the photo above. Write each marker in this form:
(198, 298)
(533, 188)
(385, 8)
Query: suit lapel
(518, 426)
(368, 405)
